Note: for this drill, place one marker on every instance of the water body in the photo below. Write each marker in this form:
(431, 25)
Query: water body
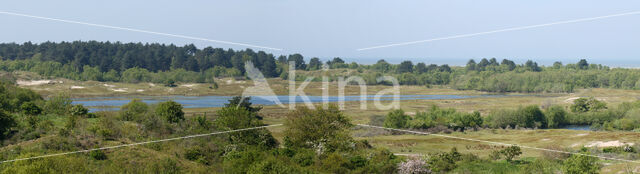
(577, 127)
(114, 103)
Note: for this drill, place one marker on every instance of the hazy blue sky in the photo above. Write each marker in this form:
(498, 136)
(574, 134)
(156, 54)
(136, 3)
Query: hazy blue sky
(337, 28)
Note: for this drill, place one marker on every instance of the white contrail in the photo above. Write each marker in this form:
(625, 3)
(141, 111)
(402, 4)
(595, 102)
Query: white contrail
(499, 143)
(139, 30)
(501, 30)
(140, 143)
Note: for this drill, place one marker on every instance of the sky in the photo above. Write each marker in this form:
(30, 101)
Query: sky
(338, 28)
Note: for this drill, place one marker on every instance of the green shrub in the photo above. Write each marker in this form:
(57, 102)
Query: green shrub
(556, 117)
(170, 111)
(443, 162)
(587, 104)
(133, 111)
(323, 129)
(233, 118)
(304, 157)
(98, 155)
(30, 108)
(581, 164)
(58, 104)
(511, 152)
(79, 110)
(7, 123)
(396, 119)
(273, 166)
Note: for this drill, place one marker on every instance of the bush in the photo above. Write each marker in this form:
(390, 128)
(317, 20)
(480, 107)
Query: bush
(414, 166)
(511, 152)
(304, 157)
(323, 129)
(58, 104)
(98, 155)
(30, 108)
(134, 110)
(7, 123)
(587, 104)
(79, 110)
(533, 117)
(233, 118)
(556, 117)
(170, 111)
(396, 119)
(581, 164)
(443, 162)
(273, 165)
(530, 116)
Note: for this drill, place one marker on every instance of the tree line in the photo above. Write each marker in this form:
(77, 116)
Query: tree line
(159, 63)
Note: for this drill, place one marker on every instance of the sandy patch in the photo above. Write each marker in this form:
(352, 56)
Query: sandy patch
(120, 90)
(108, 85)
(77, 87)
(152, 85)
(34, 82)
(546, 139)
(140, 90)
(229, 81)
(410, 113)
(584, 134)
(570, 100)
(188, 85)
(616, 143)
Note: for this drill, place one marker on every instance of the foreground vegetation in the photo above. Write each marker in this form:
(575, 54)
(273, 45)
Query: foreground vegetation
(311, 141)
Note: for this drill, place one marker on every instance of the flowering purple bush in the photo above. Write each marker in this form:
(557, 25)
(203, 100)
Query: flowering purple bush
(414, 166)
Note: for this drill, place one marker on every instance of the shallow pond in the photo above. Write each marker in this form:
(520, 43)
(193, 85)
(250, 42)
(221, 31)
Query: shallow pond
(577, 127)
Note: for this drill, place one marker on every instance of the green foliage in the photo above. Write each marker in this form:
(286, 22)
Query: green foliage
(322, 129)
(12, 97)
(7, 123)
(30, 108)
(133, 111)
(587, 104)
(511, 152)
(396, 119)
(58, 104)
(533, 117)
(233, 118)
(445, 161)
(462, 121)
(245, 103)
(540, 166)
(98, 155)
(436, 116)
(556, 117)
(171, 111)
(529, 117)
(405, 67)
(580, 164)
(79, 110)
(335, 163)
(61, 164)
(273, 166)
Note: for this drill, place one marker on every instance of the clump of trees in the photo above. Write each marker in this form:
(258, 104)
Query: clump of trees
(581, 105)
(524, 117)
(436, 116)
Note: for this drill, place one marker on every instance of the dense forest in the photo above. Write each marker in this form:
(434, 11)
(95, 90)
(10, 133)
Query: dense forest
(159, 63)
